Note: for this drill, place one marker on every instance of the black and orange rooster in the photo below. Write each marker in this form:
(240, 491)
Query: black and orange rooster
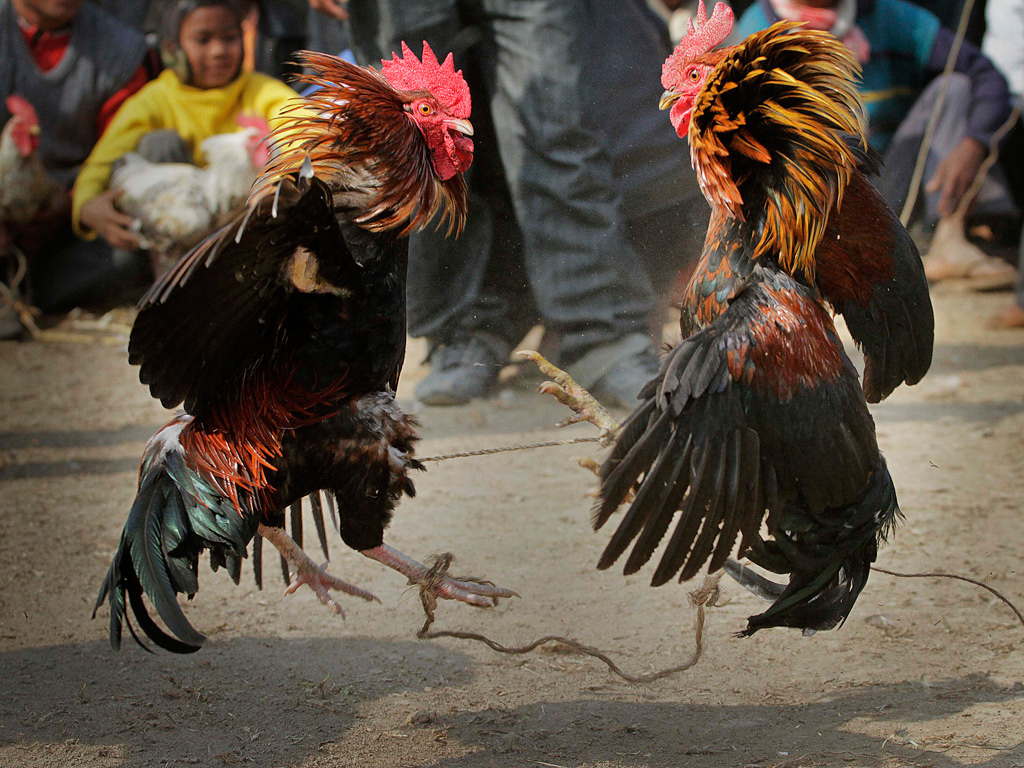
(284, 334)
(760, 412)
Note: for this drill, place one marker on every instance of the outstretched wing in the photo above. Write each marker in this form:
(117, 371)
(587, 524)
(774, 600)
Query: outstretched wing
(869, 269)
(760, 408)
(218, 314)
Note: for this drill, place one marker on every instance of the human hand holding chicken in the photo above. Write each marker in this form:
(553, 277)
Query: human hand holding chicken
(102, 216)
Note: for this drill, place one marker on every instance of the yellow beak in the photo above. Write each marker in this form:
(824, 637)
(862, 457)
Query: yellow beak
(462, 126)
(668, 98)
(34, 130)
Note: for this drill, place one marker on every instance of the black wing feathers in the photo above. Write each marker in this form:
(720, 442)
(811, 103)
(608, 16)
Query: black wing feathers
(716, 446)
(895, 325)
(230, 293)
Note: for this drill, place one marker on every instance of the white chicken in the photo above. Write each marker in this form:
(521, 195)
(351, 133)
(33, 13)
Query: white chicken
(177, 204)
(25, 186)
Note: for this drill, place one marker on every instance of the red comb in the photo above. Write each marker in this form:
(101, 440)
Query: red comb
(702, 34)
(441, 80)
(20, 106)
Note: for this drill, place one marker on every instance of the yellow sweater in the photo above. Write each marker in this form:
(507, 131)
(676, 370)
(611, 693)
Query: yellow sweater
(194, 113)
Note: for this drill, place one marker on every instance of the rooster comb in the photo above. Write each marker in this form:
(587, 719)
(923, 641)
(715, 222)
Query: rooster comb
(20, 106)
(702, 34)
(446, 84)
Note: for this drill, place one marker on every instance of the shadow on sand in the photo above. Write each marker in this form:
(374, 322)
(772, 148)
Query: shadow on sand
(736, 735)
(279, 702)
(243, 701)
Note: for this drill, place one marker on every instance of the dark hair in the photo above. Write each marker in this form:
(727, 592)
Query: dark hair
(171, 55)
(170, 29)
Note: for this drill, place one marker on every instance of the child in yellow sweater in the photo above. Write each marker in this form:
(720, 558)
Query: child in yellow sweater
(202, 94)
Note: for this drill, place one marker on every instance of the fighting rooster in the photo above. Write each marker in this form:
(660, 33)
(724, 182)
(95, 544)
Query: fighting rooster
(284, 334)
(760, 412)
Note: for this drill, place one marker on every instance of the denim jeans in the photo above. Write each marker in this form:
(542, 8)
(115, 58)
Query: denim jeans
(545, 215)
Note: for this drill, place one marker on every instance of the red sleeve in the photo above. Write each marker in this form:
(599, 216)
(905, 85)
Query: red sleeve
(111, 105)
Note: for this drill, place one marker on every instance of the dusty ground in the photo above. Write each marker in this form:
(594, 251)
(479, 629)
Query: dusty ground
(938, 682)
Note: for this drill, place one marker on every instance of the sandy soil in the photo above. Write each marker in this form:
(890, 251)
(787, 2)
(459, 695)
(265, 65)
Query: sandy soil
(925, 672)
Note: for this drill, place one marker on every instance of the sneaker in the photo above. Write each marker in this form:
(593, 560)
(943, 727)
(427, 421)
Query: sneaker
(463, 370)
(620, 386)
(614, 373)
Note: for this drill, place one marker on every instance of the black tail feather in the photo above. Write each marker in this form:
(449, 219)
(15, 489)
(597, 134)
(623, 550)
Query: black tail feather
(284, 570)
(295, 521)
(158, 556)
(295, 514)
(332, 507)
(830, 567)
(754, 582)
(318, 520)
(140, 565)
(257, 560)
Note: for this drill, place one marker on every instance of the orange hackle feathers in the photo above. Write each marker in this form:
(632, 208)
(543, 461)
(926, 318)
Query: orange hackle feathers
(773, 136)
(362, 144)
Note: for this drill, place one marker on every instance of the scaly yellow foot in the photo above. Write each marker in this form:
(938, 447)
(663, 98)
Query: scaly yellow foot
(564, 389)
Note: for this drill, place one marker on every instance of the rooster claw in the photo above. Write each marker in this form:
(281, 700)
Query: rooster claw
(305, 572)
(321, 582)
(479, 594)
(566, 391)
(435, 581)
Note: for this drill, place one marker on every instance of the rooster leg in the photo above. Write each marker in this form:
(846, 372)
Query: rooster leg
(305, 571)
(564, 389)
(466, 590)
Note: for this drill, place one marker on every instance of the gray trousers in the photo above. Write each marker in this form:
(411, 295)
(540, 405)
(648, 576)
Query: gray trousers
(901, 156)
(561, 211)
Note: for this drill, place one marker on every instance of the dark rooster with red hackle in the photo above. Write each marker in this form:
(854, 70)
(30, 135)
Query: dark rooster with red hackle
(284, 335)
(757, 416)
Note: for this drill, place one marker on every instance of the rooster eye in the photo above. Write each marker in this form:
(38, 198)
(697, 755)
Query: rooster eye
(425, 109)
(694, 75)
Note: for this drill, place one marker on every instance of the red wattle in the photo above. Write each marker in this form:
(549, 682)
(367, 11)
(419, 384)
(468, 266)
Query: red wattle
(679, 116)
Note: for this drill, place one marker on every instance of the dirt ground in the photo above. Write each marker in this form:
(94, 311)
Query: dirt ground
(925, 672)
